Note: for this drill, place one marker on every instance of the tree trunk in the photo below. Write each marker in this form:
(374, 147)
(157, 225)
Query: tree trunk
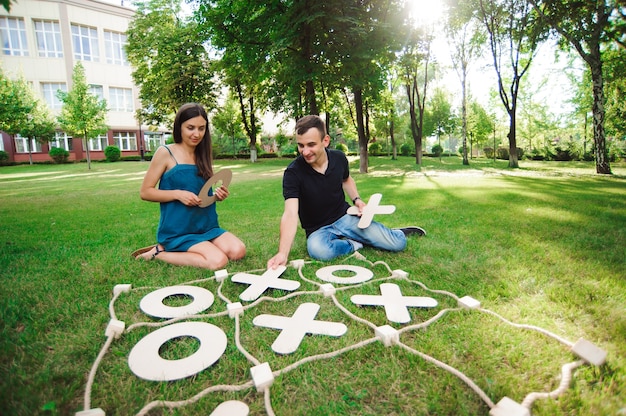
(464, 116)
(417, 139)
(394, 147)
(358, 107)
(602, 160)
(86, 143)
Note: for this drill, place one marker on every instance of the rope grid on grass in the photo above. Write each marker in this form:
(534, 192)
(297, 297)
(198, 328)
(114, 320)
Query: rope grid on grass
(566, 371)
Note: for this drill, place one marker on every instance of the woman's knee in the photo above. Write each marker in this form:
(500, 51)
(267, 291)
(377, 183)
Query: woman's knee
(237, 252)
(217, 261)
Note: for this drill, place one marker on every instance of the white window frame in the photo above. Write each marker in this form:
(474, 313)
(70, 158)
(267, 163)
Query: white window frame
(49, 93)
(125, 140)
(121, 99)
(13, 36)
(48, 35)
(99, 143)
(114, 48)
(62, 141)
(85, 43)
(152, 141)
(96, 91)
(21, 145)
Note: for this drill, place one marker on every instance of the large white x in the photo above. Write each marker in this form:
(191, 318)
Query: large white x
(395, 304)
(259, 284)
(294, 328)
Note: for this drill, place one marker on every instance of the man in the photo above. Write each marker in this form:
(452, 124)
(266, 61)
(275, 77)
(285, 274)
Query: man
(314, 188)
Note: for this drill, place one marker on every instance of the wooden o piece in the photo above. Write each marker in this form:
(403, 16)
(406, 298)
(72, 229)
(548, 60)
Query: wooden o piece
(224, 175)
(145, 361)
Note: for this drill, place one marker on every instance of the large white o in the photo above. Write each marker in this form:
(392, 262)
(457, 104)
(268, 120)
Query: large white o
(152, 304)
(145, 362)
(361, 274)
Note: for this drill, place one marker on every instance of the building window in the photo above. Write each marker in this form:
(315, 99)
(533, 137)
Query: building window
(85, 40)
(62, 141)
(121, 99)
(48, 36)
(153, 141)
(13, 36)
(96, 91)
(21, 145)
(125, 140)
(114, 44)
(49, 92)
(99, 143)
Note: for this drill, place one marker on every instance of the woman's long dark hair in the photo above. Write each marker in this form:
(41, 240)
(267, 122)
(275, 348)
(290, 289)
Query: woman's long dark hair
(203, 150)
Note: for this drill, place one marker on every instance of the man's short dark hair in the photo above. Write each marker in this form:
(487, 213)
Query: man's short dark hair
(310, 122)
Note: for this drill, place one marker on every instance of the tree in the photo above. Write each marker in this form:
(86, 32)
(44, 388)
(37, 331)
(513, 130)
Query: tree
(227, 120)
(83, 114)
(242, 41)
(588, 26)
(17, 104)
(466, 41)
(479, 124)
(6, 4)
(514, 35)
(414, 62)
(615, 68)
(39, 126)
(171, 64)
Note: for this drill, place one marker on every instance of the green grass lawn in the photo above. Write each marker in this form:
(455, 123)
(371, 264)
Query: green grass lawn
(543, 245)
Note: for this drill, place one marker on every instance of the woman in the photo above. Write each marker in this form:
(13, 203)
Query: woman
(188, 235)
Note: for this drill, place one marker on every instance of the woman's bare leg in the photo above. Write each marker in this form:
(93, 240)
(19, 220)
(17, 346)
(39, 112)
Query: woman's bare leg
(212, 255)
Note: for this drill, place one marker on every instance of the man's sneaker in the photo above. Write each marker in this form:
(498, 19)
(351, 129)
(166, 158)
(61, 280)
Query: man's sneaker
(412, 230)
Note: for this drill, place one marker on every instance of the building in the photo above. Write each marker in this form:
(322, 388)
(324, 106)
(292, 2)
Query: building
(41, 42)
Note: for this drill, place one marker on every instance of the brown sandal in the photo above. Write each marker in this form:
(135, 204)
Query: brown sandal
(135, 254)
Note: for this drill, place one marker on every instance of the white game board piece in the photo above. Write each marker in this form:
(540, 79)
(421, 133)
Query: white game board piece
(262, 376)
(394, 302)
(234, 309)
(388, 335)
(509, 407)
(468, 302)
(370, 209)
(91, 412)
(259, 284)
(115, 328)
(294, 328)
(221, 275)
(145, 361)
(589, 352)
(152, 304)
(231, 408)
(224, 175)
(327, 274)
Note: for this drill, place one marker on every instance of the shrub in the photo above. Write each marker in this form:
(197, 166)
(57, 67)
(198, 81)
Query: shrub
(405, 149)
(342, 147)
(4, 157)
(502, 153)
(437, 150)
(374, 148)
(488, 152)
(112, 153)
(59, 155)
(537, 154)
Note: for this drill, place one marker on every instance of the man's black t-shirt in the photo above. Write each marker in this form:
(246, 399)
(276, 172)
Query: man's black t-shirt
(321, 197)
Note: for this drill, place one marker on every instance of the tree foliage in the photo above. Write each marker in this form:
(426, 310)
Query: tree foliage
(171, 65)
(17, 104)
(589, 26)
(83, 114)
(515, 33)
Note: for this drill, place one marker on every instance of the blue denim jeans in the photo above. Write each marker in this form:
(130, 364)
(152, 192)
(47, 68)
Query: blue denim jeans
(343, 237)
